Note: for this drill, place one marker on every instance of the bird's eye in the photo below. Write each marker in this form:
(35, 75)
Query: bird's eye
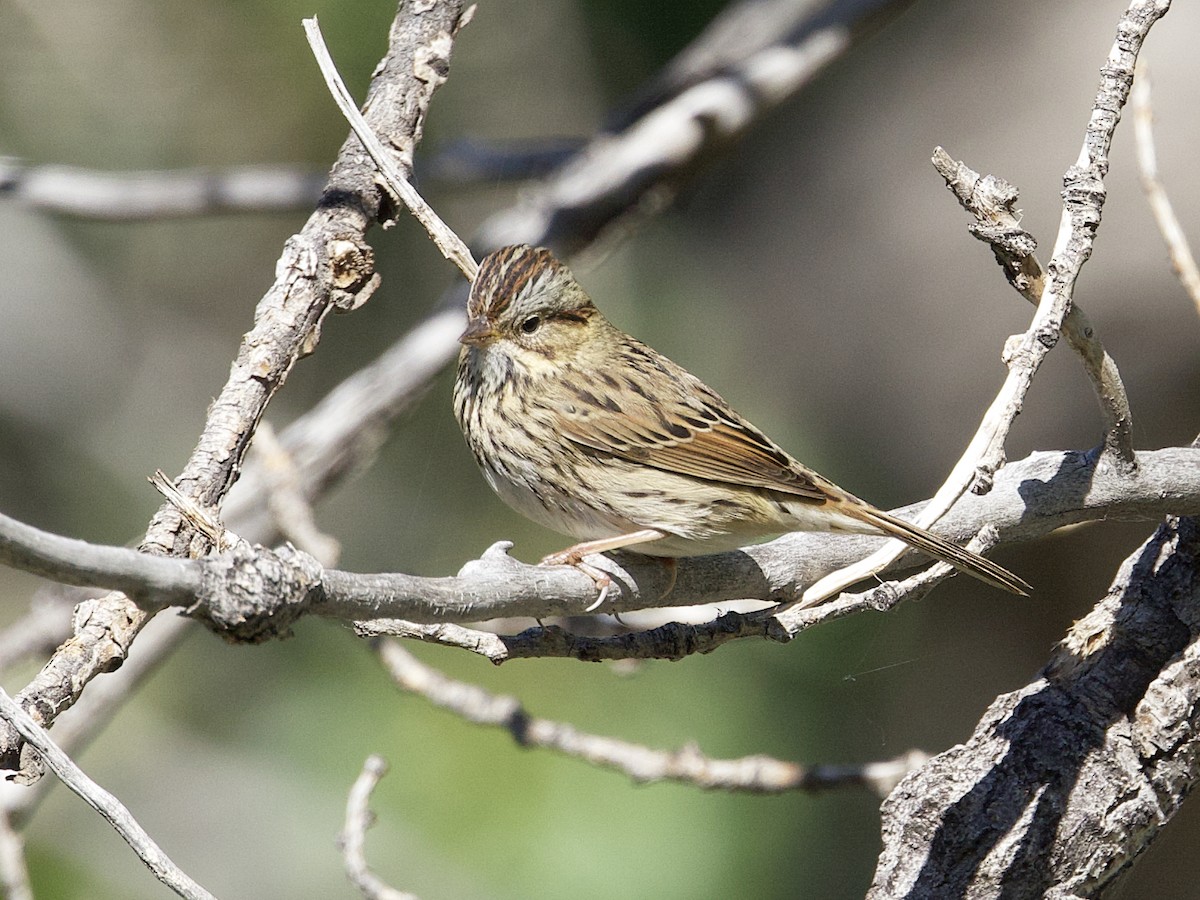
(532, 324)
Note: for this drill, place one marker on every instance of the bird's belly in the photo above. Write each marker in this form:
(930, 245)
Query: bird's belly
(558, 510)
(696, 516)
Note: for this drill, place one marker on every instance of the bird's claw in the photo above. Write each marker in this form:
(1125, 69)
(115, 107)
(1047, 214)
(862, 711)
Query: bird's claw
(601, 579)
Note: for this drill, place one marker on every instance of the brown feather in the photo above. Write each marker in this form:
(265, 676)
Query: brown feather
(675, 422)
(939, 548)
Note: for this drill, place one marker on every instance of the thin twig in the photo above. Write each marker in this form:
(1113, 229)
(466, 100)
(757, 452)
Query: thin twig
(206, 522)
(326, 266)
(102, 801)
(992, 201)
(1182, 260)
(158, 195)
(443, 236)
(751, 774)
(1083, 201)
(353, 837)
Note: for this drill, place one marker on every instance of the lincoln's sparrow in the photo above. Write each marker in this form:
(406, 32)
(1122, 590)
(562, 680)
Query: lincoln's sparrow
(590, 432)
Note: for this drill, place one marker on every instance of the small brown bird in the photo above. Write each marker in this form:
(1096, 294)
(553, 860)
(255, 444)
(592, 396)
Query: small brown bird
(590, 432)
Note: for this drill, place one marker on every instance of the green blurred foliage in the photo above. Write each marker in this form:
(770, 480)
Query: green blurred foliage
(818, 276)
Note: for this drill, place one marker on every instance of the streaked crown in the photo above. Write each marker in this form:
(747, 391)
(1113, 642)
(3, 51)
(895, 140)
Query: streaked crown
(516, 280)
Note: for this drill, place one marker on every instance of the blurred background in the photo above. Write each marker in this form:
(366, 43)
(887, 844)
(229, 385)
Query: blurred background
(819, 276)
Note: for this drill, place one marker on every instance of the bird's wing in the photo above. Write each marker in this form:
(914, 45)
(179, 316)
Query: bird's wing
(644, 408)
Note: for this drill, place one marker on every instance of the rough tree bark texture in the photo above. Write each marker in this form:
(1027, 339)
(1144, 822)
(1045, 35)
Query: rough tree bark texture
(1065, 781)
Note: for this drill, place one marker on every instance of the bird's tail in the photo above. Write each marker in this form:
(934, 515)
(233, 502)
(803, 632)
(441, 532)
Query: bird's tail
(940, 548)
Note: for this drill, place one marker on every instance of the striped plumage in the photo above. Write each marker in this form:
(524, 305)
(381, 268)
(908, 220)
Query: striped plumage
(592, 433)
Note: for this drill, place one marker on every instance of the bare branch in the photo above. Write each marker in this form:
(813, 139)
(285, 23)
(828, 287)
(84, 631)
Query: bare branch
(429, 70)
(353, 838)
(157, 195)
(673, 640)
(1083, 199)
(102, 801)
(749, 59)
(1066, 780)
(327, 266)
(1030, 498)
(76, 728)
(252, 594)
(1182, 260)
(153, 581)
(992, 201)
(752, 774)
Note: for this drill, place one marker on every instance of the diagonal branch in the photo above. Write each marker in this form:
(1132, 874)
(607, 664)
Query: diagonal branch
(1083, 200)
(750, 774)
(103, 802)
(992, 201)
(1182, 260)
(1067, 779)
(327, 265)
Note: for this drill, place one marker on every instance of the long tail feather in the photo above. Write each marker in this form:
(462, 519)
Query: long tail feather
(940, 548)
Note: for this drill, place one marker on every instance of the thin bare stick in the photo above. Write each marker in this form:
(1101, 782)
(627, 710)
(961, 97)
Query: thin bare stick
(443, 236)
(102, 801)
(75, 728)
(157, 195)
(353, 838)
(751, 774)
(206, 522)
(1083, 201)
(286, 501)
(326, 266)
(992, 201)
(1182, 260)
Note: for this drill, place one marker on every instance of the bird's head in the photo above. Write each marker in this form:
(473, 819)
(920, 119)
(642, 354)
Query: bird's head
(528, 302)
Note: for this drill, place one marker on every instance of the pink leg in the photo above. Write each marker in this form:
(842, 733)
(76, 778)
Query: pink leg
(573, 556)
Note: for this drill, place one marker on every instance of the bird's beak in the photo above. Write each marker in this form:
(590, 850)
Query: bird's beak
(479, 333)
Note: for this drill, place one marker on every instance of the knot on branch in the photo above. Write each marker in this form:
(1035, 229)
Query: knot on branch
(1084, 193)
(495, 560)
(352, 272)
(1011, 239)
(252, 594)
